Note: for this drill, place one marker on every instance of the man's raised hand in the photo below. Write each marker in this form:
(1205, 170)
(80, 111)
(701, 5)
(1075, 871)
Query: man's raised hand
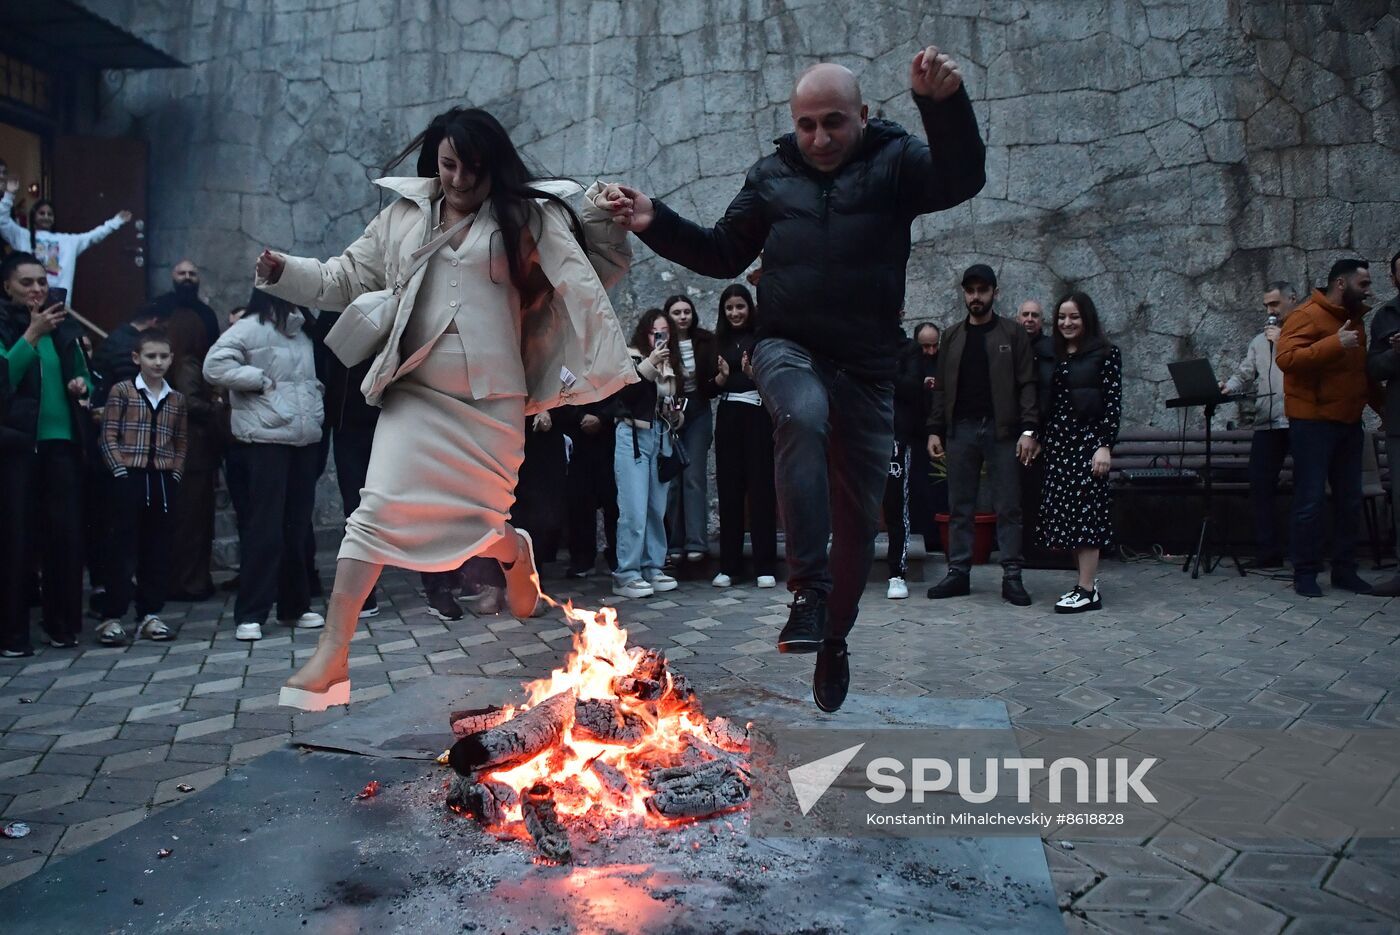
(1348, 336)
(629, 208)
(934, 75)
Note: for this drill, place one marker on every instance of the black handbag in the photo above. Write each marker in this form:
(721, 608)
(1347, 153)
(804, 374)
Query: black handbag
(671, 466)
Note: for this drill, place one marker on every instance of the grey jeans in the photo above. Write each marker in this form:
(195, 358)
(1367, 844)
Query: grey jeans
(969, 446)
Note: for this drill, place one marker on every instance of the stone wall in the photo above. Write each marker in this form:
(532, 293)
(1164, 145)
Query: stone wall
(1167, 157)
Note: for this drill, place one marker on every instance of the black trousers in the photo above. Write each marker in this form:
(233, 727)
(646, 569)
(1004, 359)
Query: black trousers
(896, 510)
(44, 510)
(591, 486)
(1266, 456)
(279, 487)
(141, 519)
(541, 492)
(744, 475)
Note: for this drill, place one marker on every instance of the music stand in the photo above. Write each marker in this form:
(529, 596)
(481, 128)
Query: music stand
(1205, 544)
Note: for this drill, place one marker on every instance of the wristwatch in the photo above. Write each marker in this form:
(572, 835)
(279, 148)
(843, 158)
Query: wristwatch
(1029, 433)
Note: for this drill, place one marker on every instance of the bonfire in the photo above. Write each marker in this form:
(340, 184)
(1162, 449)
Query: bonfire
(612, 738)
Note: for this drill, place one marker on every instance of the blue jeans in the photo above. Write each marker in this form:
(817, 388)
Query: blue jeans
(1325, 453)
(689, 507)
(641, 502)
(832, 437)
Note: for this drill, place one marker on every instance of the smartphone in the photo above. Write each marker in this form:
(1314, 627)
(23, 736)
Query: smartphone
(658, 339)
(57, 296)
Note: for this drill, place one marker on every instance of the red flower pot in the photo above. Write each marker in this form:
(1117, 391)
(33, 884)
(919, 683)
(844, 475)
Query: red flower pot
(984, 534)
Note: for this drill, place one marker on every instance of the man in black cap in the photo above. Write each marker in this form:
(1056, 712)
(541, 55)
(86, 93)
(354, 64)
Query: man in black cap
(985, 407)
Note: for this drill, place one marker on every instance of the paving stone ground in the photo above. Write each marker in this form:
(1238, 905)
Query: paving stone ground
(93, 740)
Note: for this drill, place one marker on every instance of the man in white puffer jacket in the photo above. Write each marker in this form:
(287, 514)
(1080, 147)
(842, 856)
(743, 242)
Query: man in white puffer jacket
(266, 363)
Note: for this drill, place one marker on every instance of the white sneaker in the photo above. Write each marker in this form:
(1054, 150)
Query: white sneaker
(696, 556)
(634, 588)
(722, 580)
(248, 632)
(308, 621)
(898, 590)
(767, 581)
(664, 582)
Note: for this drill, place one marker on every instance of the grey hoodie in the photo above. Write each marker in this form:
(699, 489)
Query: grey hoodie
(1259, 368)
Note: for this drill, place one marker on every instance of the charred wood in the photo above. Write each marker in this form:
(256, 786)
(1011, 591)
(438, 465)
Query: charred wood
(476, 720)
(694, 792)
(486, 801)
(603, 720)
(537, 808)
(515, 741)
(614, 783)
(727, 735)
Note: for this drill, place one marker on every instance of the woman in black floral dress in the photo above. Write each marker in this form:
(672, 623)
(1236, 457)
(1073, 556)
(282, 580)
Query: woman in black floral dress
(1086, 397)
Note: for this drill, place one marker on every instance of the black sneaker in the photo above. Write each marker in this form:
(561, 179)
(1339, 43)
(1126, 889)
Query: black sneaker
(806, 623)
(832, 677)
(370, 608)
(442, 605)
(1349, 580)
(954, 584)
(1014, 592)
(1305, 585)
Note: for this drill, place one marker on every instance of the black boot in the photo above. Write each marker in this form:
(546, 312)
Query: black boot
(442, 605)
(1013, 591)
(954, 584)
(806, 623)
(832, 677)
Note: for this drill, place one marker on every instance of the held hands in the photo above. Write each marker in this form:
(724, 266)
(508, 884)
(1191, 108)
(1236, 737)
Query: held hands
(1348, 336)
(1102, 461)
(1027, 448)
(629, 208)
(934, 75)
(270, 266)
(935, 448)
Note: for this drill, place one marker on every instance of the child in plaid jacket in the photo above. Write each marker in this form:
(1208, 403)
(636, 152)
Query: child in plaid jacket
(144, 439)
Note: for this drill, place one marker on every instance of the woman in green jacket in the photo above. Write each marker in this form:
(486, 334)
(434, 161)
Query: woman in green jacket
(41, 458)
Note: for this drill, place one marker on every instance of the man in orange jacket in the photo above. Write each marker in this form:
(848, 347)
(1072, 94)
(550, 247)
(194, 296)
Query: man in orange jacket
(1322, 353)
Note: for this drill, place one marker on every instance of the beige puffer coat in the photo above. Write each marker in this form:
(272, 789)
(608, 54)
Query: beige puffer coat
(274, 396)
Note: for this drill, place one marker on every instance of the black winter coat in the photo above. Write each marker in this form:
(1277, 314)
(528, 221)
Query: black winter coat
(1043, 347)
(21, 416)
(1085, 381)
(836, 245)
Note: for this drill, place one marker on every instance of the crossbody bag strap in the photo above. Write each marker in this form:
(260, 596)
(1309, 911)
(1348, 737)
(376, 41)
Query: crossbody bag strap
(421, 255)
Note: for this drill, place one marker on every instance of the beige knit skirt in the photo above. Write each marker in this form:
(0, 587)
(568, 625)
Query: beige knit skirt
(442, 472)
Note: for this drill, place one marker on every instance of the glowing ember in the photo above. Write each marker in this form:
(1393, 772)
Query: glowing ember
(612, 736)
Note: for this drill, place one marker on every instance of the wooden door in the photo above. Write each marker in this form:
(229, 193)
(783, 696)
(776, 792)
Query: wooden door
(93, 179)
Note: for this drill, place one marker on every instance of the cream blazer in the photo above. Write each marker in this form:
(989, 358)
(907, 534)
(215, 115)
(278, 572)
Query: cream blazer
(571, 345)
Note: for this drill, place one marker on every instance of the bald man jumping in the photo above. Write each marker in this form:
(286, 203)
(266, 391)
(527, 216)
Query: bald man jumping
(830, 211)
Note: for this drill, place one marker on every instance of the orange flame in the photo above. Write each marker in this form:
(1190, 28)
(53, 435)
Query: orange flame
(600, 654)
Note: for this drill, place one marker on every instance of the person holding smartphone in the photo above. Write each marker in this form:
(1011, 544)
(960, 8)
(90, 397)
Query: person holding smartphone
(1383, 366)
(647, 415)
(41, 457)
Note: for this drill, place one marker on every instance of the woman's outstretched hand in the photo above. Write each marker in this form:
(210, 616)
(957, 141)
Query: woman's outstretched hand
(270, 266)
(629, 208)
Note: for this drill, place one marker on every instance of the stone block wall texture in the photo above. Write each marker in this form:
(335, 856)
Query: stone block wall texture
(1167, 157)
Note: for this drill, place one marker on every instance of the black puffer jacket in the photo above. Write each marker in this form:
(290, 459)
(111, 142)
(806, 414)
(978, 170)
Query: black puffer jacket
(1084, 380)
(835, 246)
(1043, 346)
(20, 422)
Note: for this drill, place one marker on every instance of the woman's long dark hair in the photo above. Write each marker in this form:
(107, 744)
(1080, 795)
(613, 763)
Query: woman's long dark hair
(34, 210)
(483, 145)
(265, 306)
(724, 331)
(641, 336)
(695, 326)
(1088, 314)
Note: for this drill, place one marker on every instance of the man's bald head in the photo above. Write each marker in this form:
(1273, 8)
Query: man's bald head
(828, 115)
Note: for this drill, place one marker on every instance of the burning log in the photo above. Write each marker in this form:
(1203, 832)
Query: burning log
(603, 720)
(516, 740)
(486, 801)
(476, 720)
(537, 808)
(614, 783)
(695, 792)
(727, 735)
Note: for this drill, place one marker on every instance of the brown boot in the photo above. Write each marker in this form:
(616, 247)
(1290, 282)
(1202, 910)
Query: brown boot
(324, 681)
(522, 579)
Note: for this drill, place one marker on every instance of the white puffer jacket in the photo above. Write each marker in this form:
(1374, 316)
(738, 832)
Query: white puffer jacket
(274, 395)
